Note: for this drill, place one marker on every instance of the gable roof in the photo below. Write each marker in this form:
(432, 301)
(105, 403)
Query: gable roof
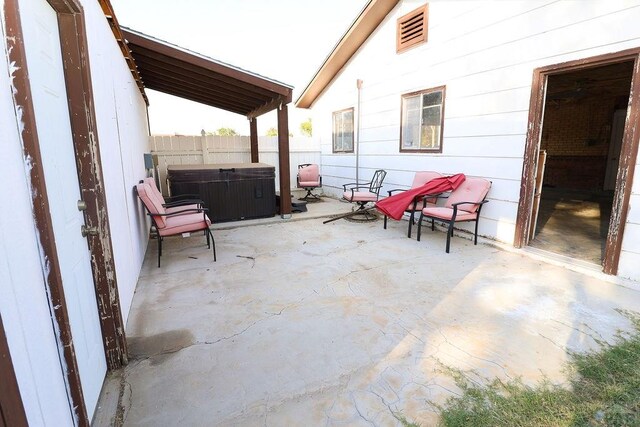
(364, 25)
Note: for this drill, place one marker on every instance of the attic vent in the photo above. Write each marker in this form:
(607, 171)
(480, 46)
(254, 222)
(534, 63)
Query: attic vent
(412, 28)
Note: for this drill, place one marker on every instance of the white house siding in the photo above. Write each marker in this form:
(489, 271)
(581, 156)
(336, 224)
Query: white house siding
(485, 54)
(124, 138)
(24, 305)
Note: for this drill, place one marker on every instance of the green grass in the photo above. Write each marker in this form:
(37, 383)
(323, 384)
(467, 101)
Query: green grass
(604, 391)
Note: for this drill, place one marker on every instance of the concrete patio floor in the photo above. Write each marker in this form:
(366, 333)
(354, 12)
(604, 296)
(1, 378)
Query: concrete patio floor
(347, 324)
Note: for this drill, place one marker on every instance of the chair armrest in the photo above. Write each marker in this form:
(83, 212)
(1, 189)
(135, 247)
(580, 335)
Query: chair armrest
(184, 202)
(396, 189)
(455, 205)
(182, 197)
(182, 212)
(350, 183)
(434, 196)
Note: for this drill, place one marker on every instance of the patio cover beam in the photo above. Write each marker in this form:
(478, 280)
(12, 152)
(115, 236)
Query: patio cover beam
(176, 71)
(253, 137)
(283, 147)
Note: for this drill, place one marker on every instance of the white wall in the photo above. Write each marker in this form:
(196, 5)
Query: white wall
(485, 54)
(124, 137)
(24, 305)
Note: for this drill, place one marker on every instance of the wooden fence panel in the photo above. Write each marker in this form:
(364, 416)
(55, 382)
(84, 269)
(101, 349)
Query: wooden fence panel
(196, 150)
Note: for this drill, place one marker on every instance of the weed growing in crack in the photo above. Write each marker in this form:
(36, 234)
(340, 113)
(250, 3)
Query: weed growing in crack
(603, 390)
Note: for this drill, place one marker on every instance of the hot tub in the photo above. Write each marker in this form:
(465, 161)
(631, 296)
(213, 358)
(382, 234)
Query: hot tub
(231, 191)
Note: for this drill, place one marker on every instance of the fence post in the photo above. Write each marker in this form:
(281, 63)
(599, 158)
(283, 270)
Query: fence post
(205, 151)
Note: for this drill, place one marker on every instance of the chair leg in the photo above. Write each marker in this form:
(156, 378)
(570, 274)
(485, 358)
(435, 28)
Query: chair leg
(475, 237)
(433, 225)
(420, 225)
(213, 243)
(159, 249)
(449, 234)
(385, 222)
(411, 219)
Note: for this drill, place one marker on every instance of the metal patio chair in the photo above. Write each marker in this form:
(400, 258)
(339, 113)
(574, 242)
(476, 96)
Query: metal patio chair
(463, 204)
(175, 203)
(180, 221)
(361, 195)
(419, 203)
(309, 178)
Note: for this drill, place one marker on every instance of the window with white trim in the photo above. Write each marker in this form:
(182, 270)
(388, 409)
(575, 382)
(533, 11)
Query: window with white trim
(422, 120)
(343, 131)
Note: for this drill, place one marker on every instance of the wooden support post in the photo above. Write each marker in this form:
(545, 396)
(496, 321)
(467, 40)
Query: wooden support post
(283, 155)
(253, 135)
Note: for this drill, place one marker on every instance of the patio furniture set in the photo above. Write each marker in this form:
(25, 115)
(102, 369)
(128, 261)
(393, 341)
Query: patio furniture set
(464, 198)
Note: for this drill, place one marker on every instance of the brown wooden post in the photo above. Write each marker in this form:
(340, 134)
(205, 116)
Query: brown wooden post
(85, 140)
(253, 136)
(627, 161)
(11, 407)
(283, 155)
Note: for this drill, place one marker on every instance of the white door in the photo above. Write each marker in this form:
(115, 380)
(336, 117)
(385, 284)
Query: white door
(613, 159)
(46, 73)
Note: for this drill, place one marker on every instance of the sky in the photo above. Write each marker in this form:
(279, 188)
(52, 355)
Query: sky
(285, 40)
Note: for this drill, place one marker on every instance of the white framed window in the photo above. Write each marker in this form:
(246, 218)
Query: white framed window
(343, 131)
(422, 120)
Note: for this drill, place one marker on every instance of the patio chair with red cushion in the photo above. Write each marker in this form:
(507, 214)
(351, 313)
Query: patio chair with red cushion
(309, 179)
(364, 193)
(463, 204)
(180, 221)
(419, 203)
(175, 203)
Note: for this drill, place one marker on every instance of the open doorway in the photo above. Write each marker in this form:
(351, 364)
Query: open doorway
(582, 129)
(580, 157)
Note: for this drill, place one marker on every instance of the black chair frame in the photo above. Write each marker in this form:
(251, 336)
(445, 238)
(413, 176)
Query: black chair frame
(207, 231)
(453, 220)
(412, 219)
(373, 186)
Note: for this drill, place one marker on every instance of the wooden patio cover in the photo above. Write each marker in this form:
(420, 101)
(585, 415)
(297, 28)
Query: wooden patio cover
(171, 69)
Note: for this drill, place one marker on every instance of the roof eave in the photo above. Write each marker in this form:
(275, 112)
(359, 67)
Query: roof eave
(364, 25)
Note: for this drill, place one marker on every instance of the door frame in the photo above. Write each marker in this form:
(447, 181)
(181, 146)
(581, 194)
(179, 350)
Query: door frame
(77, 75)
(11, 406)
(628, 153)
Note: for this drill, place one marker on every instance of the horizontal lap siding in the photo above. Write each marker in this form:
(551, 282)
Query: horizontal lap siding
(485, 54)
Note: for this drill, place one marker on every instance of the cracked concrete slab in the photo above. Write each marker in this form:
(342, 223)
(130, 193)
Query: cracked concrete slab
(346, 324)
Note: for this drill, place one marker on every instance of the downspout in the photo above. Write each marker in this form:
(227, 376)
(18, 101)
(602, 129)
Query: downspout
(359, 85)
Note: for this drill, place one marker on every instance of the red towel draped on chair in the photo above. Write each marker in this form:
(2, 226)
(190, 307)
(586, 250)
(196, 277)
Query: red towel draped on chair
(394, 206)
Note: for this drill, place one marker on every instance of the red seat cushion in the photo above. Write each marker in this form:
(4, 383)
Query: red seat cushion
(184, 224)
(471, 190)
(152, 203)
(309, 176)
(447, 213)
(360, 196)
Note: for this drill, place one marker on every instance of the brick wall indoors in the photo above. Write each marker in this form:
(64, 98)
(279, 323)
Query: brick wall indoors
(576, 135)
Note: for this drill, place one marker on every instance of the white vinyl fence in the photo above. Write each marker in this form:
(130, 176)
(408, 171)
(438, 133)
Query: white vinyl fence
(196, 150)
